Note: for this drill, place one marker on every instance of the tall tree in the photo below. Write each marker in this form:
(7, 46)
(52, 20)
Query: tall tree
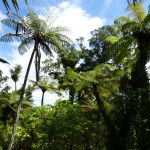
(136, 37)
(99, 51)
(33, 31)
(15, 74)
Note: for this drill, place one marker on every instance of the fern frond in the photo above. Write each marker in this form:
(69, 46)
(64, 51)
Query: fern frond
(10, 37)
(15, 16)
(14, 2)
(129, 28)
(119, 22)
(135, 1)
(136, 12)
(6, 4)
(112, 39)
(50, 16)
(46, 49)
(3, 61)
(25, 45)
(16, 22)
(121, 49)
(59, 29)
(73, 75)
(56, 34)
(64, 39)
(10, 23)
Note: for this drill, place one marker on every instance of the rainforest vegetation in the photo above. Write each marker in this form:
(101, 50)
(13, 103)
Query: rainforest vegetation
(108, 85)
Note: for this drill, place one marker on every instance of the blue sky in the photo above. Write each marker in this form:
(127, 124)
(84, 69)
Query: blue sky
(80, 16)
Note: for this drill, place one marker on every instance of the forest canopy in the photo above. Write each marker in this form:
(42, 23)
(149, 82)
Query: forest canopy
(107, 83)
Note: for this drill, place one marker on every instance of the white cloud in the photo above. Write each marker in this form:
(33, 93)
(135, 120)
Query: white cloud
(49, 98)
(78, 20)
(108, 1)
(15, 44)
(2, 16)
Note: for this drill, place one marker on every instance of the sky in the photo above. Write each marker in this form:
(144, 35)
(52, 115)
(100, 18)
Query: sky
(80, 16)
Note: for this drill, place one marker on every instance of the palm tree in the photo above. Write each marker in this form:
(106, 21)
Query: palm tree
(15, 74)
(33, 32)
(45, 85)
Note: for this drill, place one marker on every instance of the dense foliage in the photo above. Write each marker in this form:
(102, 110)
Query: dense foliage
(108, 86)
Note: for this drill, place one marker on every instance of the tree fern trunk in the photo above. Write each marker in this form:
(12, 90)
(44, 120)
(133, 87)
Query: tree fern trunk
(113, 141)
(20, 103)
(42, 101)
(15, 86)
(71, 95)
(140, 86)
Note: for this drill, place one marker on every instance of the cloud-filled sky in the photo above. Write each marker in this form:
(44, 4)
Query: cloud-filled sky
(80, 16)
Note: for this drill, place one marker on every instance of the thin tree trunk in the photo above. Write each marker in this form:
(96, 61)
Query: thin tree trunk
(42, 101)
(37, 64)
(71, 95)
(15, 86)
(20, 103)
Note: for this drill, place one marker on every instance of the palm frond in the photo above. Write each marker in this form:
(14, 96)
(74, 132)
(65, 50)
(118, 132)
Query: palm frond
(136, 12)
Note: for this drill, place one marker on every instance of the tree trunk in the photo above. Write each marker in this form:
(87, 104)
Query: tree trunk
(42, 101)
(113, 142)
(15, 86)
(37, 63)
(71, 95)
(20, 103)
(140, 86)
